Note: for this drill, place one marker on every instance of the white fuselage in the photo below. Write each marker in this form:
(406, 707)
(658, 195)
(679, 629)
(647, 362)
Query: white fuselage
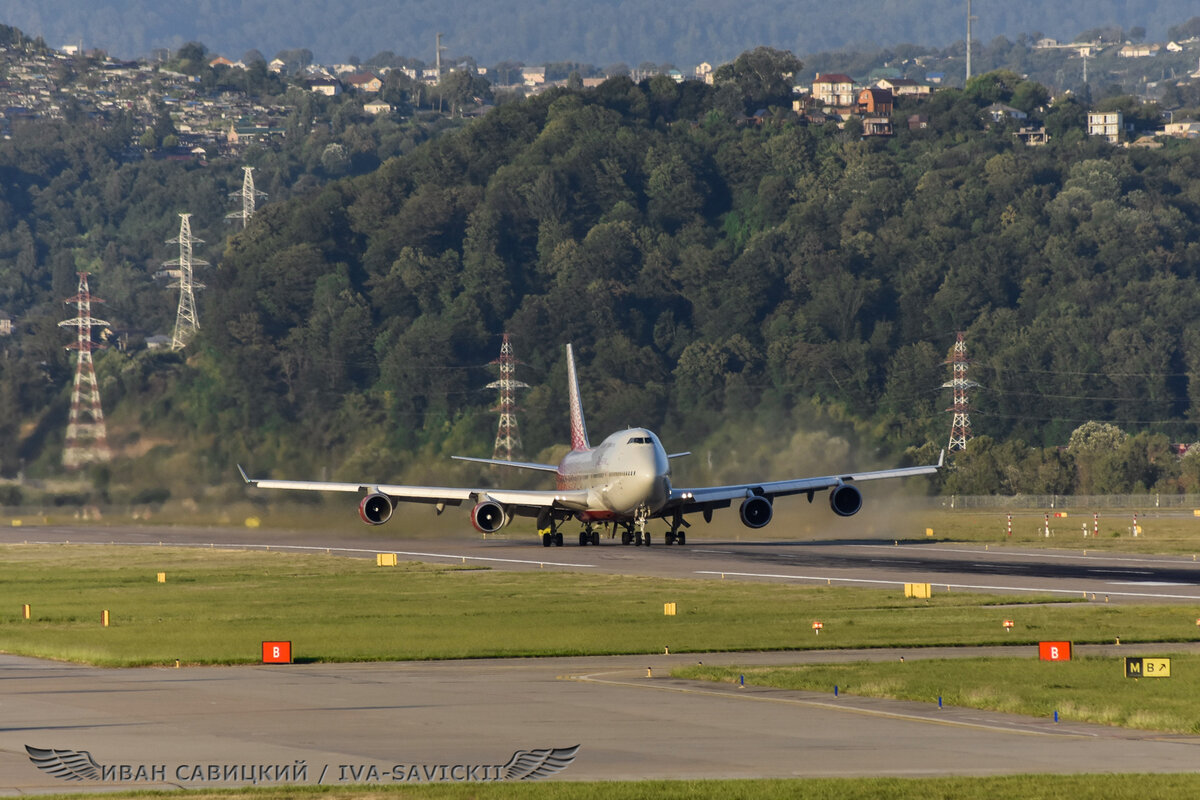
(627, 471)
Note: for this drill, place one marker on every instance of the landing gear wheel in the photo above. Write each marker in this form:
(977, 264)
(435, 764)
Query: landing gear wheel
(584, 538)
(670, 538)
(558, 540)
(545, 540)
(626, 537)
(596, 537)
(646, 537)
(681, 538)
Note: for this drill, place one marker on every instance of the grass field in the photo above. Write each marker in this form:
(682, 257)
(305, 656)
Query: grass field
(1027, 787)
(216, 607)
(1166, 532)
(1081, 690)
(884, 517)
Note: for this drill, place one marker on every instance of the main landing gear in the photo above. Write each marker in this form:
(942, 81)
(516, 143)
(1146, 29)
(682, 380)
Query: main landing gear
(548, 525)
(589, 535)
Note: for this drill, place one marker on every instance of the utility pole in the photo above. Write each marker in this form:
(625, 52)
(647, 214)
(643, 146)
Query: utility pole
(87, 436)
(186, 322)
(960, 427)
(508, 439)
(970, 19)
(249, 195)
(437, 57)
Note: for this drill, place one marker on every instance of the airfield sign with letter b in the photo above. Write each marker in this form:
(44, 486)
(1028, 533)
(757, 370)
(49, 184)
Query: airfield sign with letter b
(276, 652)
(1054, 651)
(1145, 667)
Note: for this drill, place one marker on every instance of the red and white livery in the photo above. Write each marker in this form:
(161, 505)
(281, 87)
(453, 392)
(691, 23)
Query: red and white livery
(618, 486)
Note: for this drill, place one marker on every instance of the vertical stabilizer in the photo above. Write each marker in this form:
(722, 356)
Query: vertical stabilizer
(579, 440)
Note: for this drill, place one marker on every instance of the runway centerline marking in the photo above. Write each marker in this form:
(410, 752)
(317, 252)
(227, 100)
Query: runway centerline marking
(943, 583)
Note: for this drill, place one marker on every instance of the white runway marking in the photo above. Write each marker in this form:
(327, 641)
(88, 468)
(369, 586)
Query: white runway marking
(314, 548)
(963, 550)
(943, 583)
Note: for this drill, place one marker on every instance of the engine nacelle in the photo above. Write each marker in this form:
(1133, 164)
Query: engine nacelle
(375, 509)
(756, 511)
(845, 500)
(489, 516)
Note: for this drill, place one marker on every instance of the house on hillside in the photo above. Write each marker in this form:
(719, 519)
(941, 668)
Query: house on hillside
(834, 89)
(904, 87)
(875, 102)
(1184, 129)
(1000, 112)
(877, 126)
(1109, 124)
(364, 82)
(325, 86)
(377, 107)
(1032, 136)
(1138, 50)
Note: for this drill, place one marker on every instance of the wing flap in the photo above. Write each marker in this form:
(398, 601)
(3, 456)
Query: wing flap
(451, 495)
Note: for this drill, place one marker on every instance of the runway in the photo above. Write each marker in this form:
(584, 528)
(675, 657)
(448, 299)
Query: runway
(863, 563)
(416, 722)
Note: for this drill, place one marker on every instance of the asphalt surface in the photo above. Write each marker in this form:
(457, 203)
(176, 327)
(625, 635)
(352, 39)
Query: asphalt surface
(864, 563)
(414, 722)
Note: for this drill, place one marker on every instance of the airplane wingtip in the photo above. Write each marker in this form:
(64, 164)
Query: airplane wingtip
(942, 458)
(245, 477)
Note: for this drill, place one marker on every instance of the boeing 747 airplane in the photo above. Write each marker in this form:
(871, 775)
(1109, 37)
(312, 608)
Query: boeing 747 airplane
(619, 485)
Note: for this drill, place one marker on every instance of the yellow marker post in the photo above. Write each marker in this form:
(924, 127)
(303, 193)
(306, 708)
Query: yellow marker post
(26, 611)
(669, 609)
(162, 577)
(104, 618)
(929, 531)
(385, 559)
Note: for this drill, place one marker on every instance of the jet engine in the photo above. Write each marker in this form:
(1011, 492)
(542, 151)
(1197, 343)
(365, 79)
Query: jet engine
(756, 511)
(489, 516)
(375, 509)
(845, 500)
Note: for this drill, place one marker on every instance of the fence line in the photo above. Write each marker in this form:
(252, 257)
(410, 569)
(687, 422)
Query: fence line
(1065, 502)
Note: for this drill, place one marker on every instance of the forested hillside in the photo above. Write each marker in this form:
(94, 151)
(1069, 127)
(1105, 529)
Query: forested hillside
(734, 278)
(710, 269)
(601, 32)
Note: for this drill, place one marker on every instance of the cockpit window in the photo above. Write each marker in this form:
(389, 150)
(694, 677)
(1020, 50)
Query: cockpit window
(639, 440)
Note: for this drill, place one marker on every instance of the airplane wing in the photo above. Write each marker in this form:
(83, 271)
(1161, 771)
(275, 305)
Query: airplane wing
(496, 462)
(721, 496)
(527, 501)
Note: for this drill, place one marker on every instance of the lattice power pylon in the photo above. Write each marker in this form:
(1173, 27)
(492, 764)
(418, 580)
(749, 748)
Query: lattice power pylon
(249, 197)
(960, 427)
(87, 437)
(508, 438)
(186, 321)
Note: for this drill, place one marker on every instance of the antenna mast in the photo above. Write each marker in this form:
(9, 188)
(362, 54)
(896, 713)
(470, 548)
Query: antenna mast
(87, 436)
(186, 322)
(960, 427)
(508, 438)
(249, 195)
(970, 19)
